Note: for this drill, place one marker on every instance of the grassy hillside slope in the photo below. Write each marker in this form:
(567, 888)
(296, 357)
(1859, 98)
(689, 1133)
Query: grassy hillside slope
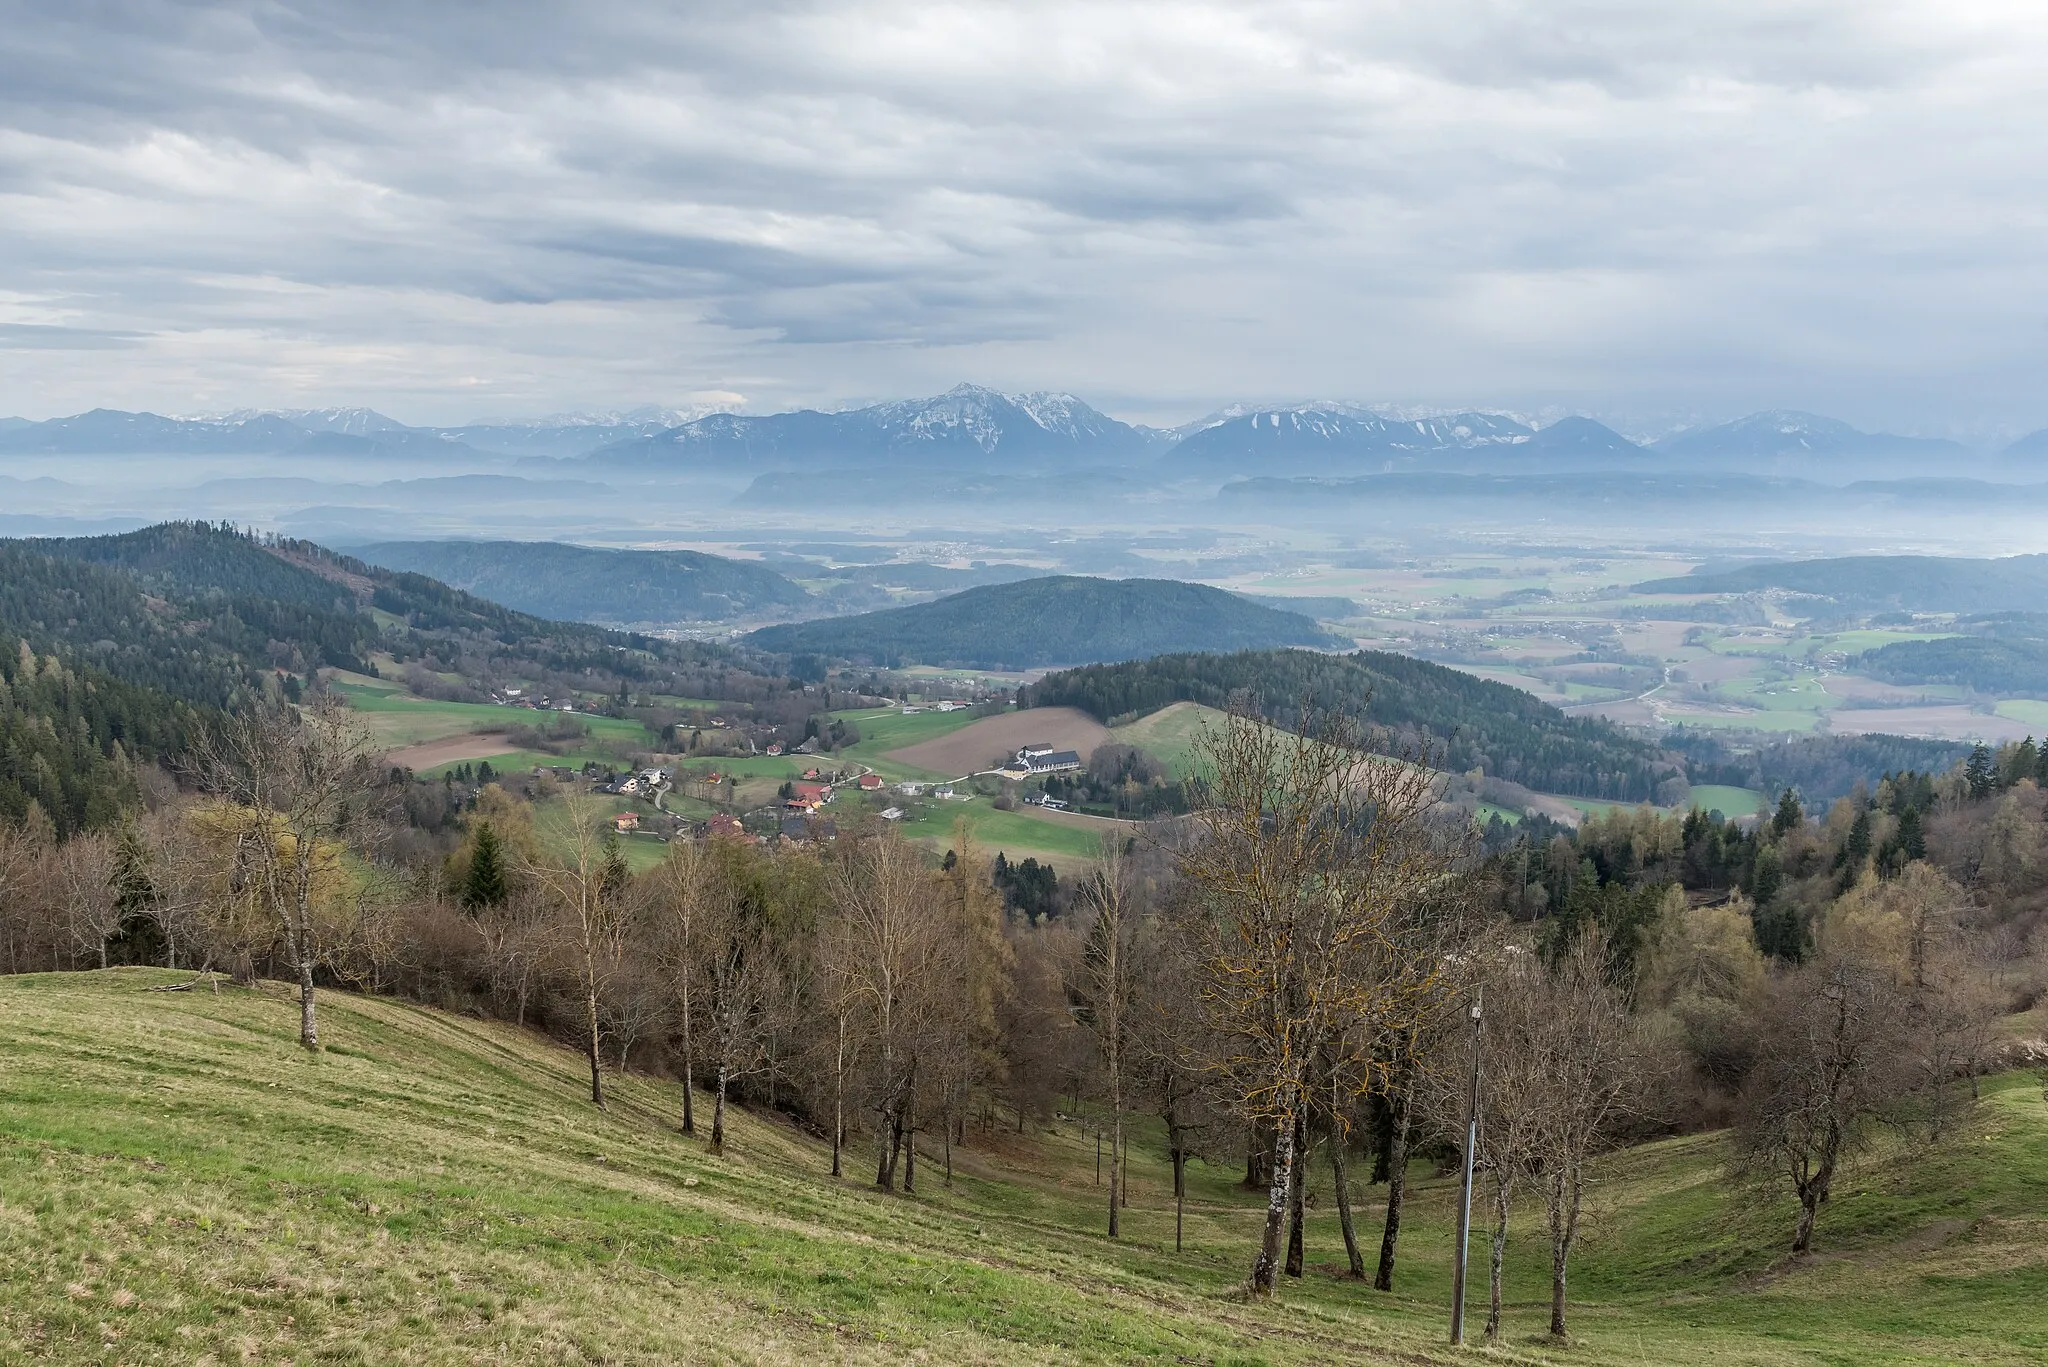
(179, 1183)
(1061, 619)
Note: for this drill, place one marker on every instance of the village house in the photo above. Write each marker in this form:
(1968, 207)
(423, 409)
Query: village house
(626, 821)
(1047, 761)
(871, 783)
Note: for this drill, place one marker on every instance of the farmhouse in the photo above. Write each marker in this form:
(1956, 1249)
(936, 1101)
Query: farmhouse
(626, 821)
(1047, 760)
(871, 783)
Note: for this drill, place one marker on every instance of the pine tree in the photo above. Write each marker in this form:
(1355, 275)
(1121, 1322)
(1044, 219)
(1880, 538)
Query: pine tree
(1789, 815)
(1979, 774)
(485, 885)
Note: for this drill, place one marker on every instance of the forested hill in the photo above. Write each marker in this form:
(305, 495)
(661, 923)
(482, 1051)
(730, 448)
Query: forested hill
(589, 584)
(1920, 583)
(114, 648)
(1060, 619)
(1470, 722)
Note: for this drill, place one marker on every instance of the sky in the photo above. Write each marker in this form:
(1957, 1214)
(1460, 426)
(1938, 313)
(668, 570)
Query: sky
(1655, 212)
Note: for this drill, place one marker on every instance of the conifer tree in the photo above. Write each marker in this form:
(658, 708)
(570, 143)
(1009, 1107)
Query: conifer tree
(485, 884)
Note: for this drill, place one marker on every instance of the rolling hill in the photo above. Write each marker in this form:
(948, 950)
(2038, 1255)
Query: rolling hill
(591, 584)
(1467, 722)
(1917, 583)
(122, 646)
(1060, 619)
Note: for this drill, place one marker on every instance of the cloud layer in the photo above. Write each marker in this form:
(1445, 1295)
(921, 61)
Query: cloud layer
(444, 209)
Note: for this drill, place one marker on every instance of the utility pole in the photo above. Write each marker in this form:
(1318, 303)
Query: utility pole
(1465, 1187)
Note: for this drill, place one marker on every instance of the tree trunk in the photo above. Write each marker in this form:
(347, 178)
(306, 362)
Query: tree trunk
(718, 1113)
(1180, 1192)
(1267, 1265)
(949, 1151)
(892, 1136)
(1500, 1247)
(1809, 1206)
(596, 1063)
(309, 1028)
(1342, 1180)
(839, 1096)
(909, 1146)
(1397, 1178)
(1564, 1225)
(1116, 1164)
(1297, 1198)
(689, 1067)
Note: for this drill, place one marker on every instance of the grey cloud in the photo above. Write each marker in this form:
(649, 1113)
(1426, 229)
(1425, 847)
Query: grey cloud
(1708, 205)
(47, 337)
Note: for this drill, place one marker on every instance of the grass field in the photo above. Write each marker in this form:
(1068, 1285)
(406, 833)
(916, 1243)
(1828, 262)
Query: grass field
(1728, 801)
(2026, 710)
(885, 729)
(1016, 834)
(1169, 735)
(179, 1183)
(397, 718)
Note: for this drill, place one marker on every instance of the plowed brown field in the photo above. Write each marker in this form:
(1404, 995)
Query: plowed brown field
(988, 742)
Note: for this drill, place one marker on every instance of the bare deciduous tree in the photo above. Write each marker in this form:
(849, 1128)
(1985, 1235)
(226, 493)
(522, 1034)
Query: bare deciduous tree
(1307, 854)
(585, 894)
(288, 787)
(1594, 1068)
(1832, 1065)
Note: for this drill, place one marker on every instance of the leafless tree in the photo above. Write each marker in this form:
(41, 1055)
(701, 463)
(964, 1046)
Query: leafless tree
(1307, 853)
(1595, 1070)
(83, 885)
(674, 898)
(288, 786)
(1833, 1064)
(584, 890)
(1106, 984)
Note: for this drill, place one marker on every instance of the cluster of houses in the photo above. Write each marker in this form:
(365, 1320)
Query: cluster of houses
(646, 783)
(539, 702)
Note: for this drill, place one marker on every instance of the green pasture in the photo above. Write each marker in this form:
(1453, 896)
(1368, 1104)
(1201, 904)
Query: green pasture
(180, 1183)
(1013, 833)
(2030, 711)
(1728, 801)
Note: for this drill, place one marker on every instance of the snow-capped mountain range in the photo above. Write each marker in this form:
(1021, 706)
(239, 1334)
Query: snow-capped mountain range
(970, 427)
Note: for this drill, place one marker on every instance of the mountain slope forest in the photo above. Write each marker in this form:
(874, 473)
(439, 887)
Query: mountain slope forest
(563, 582)
(1060, 619)
(1463, 722)
(120, 646)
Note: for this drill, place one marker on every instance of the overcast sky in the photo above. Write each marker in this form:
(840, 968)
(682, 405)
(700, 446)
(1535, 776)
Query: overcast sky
(1647, 209)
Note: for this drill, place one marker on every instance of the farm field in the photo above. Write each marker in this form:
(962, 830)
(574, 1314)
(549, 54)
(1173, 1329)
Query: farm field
(428, 736)
(973, 748)
(432, 1189)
